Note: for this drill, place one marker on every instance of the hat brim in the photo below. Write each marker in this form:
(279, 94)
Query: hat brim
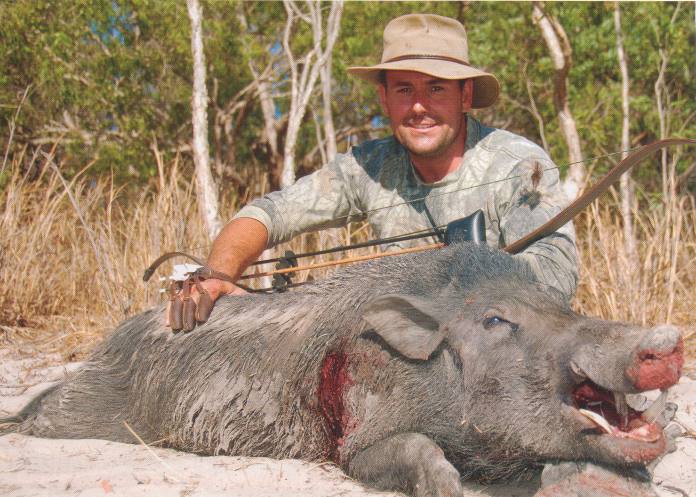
(486, 86)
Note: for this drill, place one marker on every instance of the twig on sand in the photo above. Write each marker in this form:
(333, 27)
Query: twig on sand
(8, 424)
(21, 385)
(157, 442)
(675, 490)
(321, 465)
(687, 432)
(167, 466)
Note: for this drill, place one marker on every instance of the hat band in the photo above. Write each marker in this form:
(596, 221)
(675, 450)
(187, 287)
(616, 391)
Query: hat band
(432, 57)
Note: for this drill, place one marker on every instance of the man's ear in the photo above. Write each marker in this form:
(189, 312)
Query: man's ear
(467, 94)
(407, 323)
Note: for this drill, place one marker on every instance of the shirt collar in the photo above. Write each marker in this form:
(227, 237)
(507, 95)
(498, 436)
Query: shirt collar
(473, 132)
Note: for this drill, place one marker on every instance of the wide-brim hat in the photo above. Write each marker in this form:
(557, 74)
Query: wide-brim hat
(433, 45)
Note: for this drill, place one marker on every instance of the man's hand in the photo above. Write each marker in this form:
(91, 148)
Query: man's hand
(238, 245)
(193, 303)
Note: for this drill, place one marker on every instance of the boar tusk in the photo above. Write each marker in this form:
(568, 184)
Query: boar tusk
(621, 406)
(652, 412)
(597, 419)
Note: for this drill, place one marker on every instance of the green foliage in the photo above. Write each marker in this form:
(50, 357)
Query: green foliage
(109, 78)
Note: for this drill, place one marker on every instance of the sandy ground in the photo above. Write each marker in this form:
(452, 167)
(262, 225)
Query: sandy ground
(39, 467)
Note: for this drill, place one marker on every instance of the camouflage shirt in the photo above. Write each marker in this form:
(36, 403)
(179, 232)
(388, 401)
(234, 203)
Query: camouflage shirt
(377, 181)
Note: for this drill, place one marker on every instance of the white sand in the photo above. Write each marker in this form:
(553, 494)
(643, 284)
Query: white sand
(40, 467)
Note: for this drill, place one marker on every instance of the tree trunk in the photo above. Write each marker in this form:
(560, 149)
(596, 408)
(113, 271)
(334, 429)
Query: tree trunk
(302, 82)
(226, 124)
(329, 129)
(205, 186)
(271, 125)
(561, 55)
(626, 184)
(672, 223)
(663, 111)
(270, 132)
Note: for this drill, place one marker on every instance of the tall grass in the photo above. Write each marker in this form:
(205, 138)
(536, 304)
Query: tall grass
(661, 285)
(72, 253)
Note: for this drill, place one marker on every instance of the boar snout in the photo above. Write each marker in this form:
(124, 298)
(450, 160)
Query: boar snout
(658, 360)
(618, 433)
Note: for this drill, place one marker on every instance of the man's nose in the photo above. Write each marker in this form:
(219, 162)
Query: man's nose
(418, 107)
(419, 104)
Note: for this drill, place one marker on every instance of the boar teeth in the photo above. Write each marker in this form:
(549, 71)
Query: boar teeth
(652, 412)
(597, 419)
(621, 407)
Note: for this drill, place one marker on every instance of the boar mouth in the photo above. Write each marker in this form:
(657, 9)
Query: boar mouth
(632, 435)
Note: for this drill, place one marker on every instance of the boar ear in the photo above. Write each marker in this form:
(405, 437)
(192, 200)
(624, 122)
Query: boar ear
(406, 323)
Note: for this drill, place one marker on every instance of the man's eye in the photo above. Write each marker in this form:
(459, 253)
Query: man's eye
(403, 90)
(437, 89)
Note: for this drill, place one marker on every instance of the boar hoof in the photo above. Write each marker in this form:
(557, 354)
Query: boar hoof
(437, 478)
(409, 462)
(587, 480)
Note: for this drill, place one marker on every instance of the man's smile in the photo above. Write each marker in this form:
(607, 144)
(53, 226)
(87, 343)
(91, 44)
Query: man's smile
(422, 125)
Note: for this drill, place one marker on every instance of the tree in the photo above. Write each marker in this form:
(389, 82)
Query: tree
(207, 193)
(108, 79)
(561, 53)
(626, 184)
(302, 81)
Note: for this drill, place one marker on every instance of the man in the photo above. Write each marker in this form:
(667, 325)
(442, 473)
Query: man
(440, 165)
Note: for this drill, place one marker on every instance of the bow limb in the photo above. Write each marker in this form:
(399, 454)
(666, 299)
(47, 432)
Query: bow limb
(595, 191)
(166, 257)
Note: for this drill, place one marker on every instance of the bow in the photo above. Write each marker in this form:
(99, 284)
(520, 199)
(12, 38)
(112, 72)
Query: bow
(469, 228)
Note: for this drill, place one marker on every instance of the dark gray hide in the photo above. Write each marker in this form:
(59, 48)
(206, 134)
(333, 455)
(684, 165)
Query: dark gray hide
(386, 368)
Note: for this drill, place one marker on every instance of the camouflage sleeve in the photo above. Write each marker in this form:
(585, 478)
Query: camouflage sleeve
(532, 197)
(320, 200)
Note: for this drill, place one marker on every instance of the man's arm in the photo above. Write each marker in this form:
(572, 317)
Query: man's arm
(239, 244)
(531, 198)
(324, 199)
(320, 200)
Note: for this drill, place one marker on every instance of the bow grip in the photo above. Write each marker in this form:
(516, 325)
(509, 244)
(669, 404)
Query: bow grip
(471, 228)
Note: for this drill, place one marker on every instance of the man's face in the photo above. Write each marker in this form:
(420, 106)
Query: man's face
(426, 113)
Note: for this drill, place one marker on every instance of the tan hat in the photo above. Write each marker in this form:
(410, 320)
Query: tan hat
(433, 45)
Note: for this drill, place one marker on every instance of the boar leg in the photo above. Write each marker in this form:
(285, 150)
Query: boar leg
(409, 462)
(571, 479)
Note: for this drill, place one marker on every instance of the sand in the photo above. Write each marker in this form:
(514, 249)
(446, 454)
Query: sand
(40, 467)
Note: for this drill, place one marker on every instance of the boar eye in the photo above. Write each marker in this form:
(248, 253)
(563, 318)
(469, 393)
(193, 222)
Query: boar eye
(493, 321)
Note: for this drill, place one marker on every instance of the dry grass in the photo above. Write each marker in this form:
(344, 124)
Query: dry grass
(72, 255)
(660, 286)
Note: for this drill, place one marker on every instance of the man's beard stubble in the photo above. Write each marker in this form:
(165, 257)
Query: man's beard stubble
(447, 141)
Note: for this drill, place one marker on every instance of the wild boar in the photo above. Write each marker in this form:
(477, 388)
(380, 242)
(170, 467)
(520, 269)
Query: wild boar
(409, 372)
